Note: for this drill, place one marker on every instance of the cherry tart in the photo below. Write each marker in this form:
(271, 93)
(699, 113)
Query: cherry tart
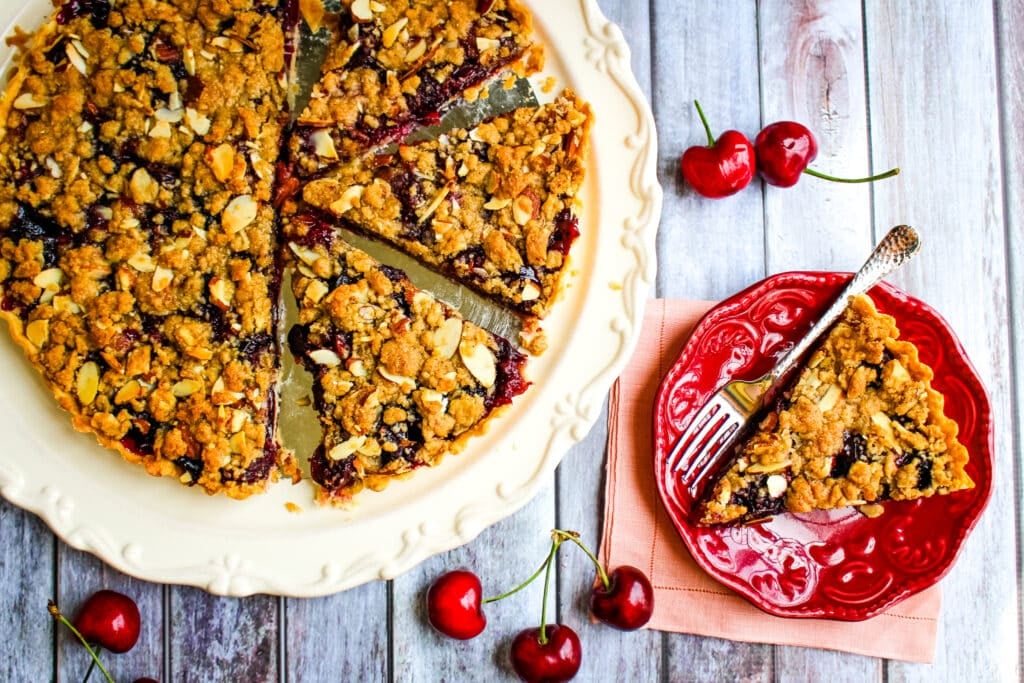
(861, 425)
(137, 252)
(399, 378)
(493, 207)
(398, 63)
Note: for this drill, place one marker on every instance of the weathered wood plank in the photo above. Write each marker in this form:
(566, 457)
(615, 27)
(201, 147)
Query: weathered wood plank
(812, 71)
(79, 576)
(27, 568)
(607, 654)
(502, 556)
(223, 639)
(934, 107)
(708, 249)
(342, 637)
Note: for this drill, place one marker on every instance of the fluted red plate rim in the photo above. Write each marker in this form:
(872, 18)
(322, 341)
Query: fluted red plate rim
(837, 564)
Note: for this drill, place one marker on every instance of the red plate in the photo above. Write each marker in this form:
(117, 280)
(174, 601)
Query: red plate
(836, 564)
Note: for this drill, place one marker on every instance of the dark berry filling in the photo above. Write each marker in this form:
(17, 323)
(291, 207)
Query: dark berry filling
(756, 499)
(194, 467)
(332, 474)
(97, 10)
(509, 382)
(141, 436)
(567, 229)
(855, 448)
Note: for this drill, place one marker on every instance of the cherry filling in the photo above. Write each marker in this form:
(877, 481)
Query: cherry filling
(331, 474)
(757, 500)
(141, 435)
(567, 229)
(194, 467)
(855, 448)
(509, 382)
(97, 10)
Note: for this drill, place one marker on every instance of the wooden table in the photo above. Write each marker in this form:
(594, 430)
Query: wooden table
(933, 88)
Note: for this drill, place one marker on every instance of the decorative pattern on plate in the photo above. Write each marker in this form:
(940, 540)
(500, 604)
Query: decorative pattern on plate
(836, 564)
(276, 552)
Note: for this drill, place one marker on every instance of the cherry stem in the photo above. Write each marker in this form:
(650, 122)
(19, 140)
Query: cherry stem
(51, 606)
(870, 179)
(521, 586)
(92, 665)
(574, 537)
(543, 639)
(704, 120)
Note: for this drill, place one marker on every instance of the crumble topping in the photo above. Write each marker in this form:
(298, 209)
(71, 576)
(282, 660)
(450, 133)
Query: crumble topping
(137, 249)
(860, 425)
(400, 379)
(493, 207)
(398, 63)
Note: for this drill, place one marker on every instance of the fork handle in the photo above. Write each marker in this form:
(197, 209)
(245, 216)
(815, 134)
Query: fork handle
(895, 249)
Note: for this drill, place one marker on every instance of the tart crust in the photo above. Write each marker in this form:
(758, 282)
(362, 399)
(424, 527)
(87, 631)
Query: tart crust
(861, 425)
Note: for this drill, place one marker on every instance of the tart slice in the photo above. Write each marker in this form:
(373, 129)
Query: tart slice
(492, 207)
(397, 63)
(137, 242)
(861, 425)
(400, 379)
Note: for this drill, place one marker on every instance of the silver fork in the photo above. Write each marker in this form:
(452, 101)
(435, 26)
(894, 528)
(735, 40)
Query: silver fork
(719, 423)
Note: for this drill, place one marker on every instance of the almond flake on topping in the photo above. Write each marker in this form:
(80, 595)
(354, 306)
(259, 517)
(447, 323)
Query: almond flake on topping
(142, 262)
(239, 213)
(400, 380)
(323, 144)
(51, 278)
(162, 278)
(495, 204)
(29, 101)
(143, 188)
(87, 383)
(349, 198)
(186, 387)
(220, 293)
(75, 57)
(522, 209)
(199, 123)
(316, 291)
(160, 129)
(484, 44)
(222, 161)
(531, 292)
(361, 11)
(169, 115)
(447, 337)
(356, 367)
(325, 357)
(418, 49)
(128, 393)
(435, 203)
(346, 448)
(305, 254)
(38, 332)
(480, 362)
(391, 33)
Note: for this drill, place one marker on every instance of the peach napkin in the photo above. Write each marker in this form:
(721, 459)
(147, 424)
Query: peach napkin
(637, 530)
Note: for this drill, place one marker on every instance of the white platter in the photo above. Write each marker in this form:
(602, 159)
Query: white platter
(158, 530)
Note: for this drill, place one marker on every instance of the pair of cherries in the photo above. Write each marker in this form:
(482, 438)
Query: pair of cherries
(781, 153)
(106, 620)
(623, 599)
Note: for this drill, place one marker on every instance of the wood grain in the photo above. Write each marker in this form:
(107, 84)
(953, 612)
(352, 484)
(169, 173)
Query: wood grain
(921, 69)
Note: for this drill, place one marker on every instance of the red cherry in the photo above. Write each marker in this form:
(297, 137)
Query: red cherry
(453, 605)
(722, 168)
(784, 149)
(627, 603)
(145, 680)
(556, 660)
(110, 620)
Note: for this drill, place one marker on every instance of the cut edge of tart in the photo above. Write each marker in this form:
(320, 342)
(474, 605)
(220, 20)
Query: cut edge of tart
(400, 379)
(860, 425)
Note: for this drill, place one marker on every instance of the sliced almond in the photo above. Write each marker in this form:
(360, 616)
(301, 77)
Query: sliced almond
(29, 101)
(495, 204)
(350, 198)
(38, 332)
(899, 373)
(305, 254)
(484, 44)
(65, 304)
(199, 123)
(169, 115)
(143, 188)
(361, 11)
(356, 367)
(160, 129)
(325, 357)
(777, 485)
(88, 383)
(447, 337)
(417, 50)
(128, 393)
(371, 448)
(761, 468)
(226, 43)
(400, 380)
(162, 278)
(390, 34)
(316, 290)
(188, 56)
(142, 262)
(480, 362)
(346, 448)
(222, 161)
(434, 204)
(829, 400)
(323, 144)
(221, 293)
(239, 213)
(531, 292)
(200, 353)
(522, 209)
(75, 58)
(51, 278)
(238, 420)
(186, 387)
(238, 443)
(431, 396)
